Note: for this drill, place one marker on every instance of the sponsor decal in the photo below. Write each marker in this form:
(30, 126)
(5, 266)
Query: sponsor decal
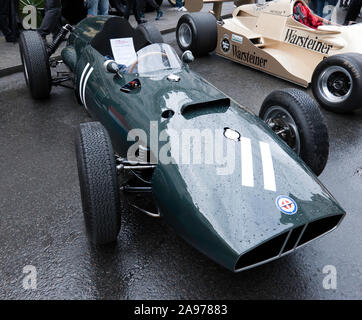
(286, 205)
(307, 42)
(250, 58)
(225, 44)
(261, 6)
(276, 12)
(236, 38)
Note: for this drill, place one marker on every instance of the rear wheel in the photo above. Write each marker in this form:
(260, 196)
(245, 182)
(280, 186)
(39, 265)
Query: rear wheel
(337, 82)
(296, 119)
(197, 32)
(35, 61)
(98, 183)
(150, 32)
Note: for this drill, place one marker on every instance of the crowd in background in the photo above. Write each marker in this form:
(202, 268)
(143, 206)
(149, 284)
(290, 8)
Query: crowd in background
(8, 20)
(51, 22)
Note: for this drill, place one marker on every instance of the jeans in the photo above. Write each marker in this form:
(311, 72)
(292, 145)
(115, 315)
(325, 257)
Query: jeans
(52, 19)
(179, 3)
(98, 7)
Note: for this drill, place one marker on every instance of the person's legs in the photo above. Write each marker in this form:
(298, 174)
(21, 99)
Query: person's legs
(320, 7)
(92, 7)
(180, 6)
(136, 7)
(142, 7)
(127, 9)
(154, 5)
(4, 20)
(13, 22)
(52, 19)
(103, 7)
(353, 11)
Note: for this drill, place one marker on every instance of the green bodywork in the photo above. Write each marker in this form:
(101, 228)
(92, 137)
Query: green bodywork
(215, 213)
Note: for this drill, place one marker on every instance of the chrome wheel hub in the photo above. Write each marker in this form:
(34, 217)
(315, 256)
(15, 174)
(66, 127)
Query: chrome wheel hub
(335, 84)
(185, 35)
(283, 125)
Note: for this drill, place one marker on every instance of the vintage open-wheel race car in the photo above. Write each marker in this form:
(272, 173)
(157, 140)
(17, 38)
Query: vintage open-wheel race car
(285, 39)
(245, 192)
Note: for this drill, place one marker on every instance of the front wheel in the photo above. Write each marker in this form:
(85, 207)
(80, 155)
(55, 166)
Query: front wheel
(296, 119)
(98, 183)
(337, 82)
(197, 32)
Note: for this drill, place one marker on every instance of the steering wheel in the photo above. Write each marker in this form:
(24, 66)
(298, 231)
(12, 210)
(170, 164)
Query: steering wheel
(142, 57)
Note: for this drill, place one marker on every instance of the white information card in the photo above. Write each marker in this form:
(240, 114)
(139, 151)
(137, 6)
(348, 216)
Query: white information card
(123, 51)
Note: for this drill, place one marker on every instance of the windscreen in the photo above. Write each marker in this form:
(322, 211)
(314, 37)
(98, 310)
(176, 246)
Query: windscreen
(155, 57)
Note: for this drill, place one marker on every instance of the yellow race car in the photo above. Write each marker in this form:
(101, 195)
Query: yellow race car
(283, 38)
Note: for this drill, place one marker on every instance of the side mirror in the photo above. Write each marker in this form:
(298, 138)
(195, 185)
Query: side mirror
(187, 57)
(111, 66)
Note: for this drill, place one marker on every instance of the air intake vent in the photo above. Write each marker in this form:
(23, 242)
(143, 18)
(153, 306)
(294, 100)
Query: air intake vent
(319, 227)
(264, 252)
(287, 242)
(293, 238)
(193, 110)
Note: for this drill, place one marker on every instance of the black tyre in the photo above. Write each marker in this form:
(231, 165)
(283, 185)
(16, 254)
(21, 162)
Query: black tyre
(295, 117)
(173, 2)
(197, 32)
(337, 82)
(150, 32)
(98, 183)
(35, 61)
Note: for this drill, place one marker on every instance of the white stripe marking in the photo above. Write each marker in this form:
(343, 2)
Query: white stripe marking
(81, 80)
(268, 168)
(85, 84)
(247, 174)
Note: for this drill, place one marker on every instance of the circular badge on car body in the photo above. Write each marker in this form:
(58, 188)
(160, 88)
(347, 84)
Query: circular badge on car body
(286, 205)
(225, 44)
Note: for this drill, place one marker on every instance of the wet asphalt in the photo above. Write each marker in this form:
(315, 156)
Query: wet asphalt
(41, 221)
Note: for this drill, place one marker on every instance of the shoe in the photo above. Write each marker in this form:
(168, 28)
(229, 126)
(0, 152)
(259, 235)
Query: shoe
(159, 14)
(182, 9)
(11, 39)
(142, 21)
